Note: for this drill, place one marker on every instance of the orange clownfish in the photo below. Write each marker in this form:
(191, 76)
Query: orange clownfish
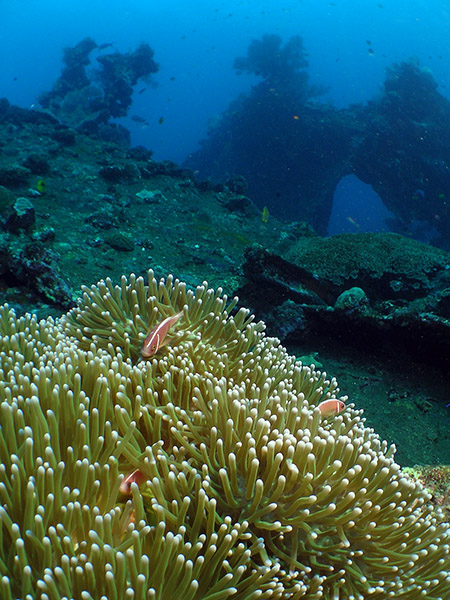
(332, 407)
(134, 477)
(157, 337)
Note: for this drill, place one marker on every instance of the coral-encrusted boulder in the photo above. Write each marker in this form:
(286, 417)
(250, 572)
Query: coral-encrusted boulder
(21, 215)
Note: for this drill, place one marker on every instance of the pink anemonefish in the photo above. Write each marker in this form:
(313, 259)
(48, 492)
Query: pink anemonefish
(157, 337)
(134, 477)
(331, 407)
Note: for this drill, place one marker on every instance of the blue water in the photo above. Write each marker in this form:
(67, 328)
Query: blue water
(349, 42)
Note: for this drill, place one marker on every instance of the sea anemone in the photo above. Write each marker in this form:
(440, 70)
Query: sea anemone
(247, 490)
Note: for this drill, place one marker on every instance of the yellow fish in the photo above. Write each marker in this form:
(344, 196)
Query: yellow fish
(41, 186)
(265, 214)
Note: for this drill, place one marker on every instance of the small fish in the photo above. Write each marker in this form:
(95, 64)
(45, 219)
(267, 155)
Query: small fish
(134, 477)
(265, 214)
(41, 186)
(138, 119)
(142, 90)
(353, 222)
(330, 408)
(106, 45)
(161, 120)
(157, 337)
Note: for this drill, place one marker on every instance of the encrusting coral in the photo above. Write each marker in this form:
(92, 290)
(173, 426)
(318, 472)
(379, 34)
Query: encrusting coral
(436, 480)
(247, 489)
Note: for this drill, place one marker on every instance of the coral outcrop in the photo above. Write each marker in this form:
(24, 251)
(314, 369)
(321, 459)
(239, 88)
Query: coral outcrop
(406, 284)
(398, 143)
(87, 101)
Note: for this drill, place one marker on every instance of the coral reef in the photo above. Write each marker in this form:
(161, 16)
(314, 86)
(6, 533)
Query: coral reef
(294, 151)
(245, 488)
(275, 62)
(104, 192)
(120, 73)
(97, 192)
(89, 102)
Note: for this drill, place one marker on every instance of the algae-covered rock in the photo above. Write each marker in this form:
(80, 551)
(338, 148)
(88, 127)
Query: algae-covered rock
(353, 299)
(120, 241)
(20, 216)
(436, 480)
